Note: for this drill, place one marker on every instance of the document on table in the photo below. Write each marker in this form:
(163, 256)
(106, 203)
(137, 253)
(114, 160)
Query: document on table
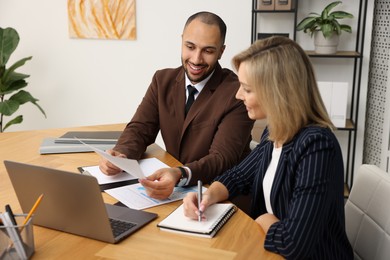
(148, 166)
(127, 165)
(134, 196)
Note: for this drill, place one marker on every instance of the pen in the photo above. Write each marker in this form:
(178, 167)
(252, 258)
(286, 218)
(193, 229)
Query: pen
(32, 210)
(199, 199)
(11, 214)
(14, 234)
(36, 204)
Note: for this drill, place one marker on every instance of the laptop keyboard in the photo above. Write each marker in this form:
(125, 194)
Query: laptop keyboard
(119, 227)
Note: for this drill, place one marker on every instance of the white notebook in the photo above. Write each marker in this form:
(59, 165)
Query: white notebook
(216, 216)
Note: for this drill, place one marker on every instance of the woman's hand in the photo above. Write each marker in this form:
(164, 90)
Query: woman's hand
(266, 220)
(192, 209)
(215, 193)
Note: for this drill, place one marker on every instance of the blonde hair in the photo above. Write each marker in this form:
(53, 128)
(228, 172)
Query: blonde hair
(284, 81)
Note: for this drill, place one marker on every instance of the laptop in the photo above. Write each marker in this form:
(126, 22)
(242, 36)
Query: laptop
(72, 203)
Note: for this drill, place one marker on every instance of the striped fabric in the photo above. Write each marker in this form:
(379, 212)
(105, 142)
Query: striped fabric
(307, 195)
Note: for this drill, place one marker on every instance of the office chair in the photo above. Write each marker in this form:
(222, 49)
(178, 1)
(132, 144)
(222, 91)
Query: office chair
(367, 214)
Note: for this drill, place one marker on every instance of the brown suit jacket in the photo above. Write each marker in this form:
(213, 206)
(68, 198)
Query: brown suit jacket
(213, 137)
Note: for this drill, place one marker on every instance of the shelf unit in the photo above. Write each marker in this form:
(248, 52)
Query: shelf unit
(355, 55)
(256, 12)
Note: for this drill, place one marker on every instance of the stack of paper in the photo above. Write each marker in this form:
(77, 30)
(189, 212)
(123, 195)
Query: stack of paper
(335, 98)
(134, 196)
(69, 142)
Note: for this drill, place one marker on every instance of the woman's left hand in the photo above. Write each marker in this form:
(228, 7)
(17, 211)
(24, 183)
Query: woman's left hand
(266, 220)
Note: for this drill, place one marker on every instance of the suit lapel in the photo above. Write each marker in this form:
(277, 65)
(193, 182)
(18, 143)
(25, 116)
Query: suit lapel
(179, 89)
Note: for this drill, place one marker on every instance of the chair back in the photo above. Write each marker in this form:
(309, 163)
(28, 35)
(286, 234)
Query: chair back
(367, 214)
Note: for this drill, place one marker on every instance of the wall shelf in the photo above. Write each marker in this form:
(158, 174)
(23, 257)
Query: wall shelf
(338, 54)
(355, 55)
(275, 11)
(256, 12)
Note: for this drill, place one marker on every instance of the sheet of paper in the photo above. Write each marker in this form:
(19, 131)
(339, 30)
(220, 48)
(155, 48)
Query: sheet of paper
(148, 167)
(134, 196)
(104, 179)
(127, 165)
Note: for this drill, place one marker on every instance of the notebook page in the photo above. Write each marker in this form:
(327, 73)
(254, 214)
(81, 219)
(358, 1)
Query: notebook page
(177, 221)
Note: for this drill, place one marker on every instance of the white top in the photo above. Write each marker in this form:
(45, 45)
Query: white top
(270, 176)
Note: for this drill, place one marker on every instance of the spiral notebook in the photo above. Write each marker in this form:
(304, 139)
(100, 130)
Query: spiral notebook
(216, 216)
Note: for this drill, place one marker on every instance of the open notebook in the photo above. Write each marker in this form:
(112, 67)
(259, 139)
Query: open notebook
(216, 217)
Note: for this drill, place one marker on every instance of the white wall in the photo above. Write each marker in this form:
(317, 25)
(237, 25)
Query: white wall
(87, 82)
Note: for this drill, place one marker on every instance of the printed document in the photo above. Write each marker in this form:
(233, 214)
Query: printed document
(148, 167)
(134, 196)
(127, 165)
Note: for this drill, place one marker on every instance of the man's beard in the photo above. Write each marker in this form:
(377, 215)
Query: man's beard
(202, 77)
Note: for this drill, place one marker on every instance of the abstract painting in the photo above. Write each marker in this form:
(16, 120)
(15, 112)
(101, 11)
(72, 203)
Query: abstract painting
(102, 19)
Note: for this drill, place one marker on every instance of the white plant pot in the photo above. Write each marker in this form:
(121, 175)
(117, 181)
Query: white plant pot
(325, 45)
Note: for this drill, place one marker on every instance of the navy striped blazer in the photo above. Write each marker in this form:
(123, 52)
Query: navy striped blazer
(306, 195)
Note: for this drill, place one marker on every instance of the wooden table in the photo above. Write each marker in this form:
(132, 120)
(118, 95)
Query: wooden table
(240, 238)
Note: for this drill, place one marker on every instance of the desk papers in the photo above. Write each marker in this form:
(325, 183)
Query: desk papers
(50, 146)
(148, 166)
(134, 196)
(68, 143)
(90, 137)
(127, 165)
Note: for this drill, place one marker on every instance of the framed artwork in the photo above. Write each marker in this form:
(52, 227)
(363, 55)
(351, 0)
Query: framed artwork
(102, 19)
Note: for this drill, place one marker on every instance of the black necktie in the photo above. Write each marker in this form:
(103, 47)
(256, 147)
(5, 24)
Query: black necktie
(191, 97)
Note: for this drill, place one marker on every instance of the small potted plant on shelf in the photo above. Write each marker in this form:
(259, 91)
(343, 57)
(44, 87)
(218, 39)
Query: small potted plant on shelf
(12, 81)
(325, 28)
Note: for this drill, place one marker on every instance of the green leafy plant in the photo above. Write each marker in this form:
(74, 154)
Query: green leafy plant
(12, 82)
(325, 22)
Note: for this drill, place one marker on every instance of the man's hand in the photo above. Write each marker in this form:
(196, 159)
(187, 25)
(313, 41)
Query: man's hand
(160, 184)
(108, 168)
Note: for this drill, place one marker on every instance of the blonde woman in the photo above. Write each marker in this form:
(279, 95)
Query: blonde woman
(296, 174)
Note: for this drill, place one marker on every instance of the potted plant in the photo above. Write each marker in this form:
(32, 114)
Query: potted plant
(325, 28)
(12, 82)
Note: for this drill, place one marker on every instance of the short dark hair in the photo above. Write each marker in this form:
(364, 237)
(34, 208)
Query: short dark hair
(211, 19)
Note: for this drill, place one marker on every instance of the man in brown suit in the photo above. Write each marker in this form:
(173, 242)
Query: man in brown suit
(215, 133)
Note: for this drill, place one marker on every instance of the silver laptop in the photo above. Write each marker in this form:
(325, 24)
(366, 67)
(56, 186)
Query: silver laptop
(72, 203)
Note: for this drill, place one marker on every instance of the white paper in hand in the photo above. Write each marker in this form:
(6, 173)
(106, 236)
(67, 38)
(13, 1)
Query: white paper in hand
(128, 165)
